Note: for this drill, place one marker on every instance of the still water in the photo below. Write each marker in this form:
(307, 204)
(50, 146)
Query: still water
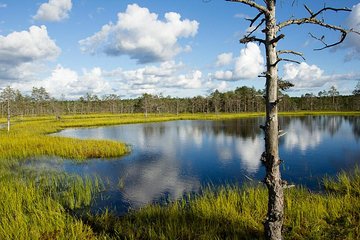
(170, 159)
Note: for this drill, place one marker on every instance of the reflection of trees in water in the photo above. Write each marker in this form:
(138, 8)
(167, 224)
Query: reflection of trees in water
(330, 124)
(307, 132)
(302, 133)
(244, 137)
(355, 124)
(150, 130)
(249, 127)
(246, 128)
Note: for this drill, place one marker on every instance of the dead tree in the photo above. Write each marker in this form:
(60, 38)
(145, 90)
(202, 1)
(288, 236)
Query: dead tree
(266, 21)
(8, 96)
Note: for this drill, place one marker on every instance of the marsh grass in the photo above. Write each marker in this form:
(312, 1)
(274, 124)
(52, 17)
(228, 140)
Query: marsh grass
(346, 183)
(31, 139)
(36, 206)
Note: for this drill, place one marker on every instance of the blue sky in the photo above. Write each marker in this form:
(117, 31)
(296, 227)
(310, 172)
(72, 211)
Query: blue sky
(178, 48)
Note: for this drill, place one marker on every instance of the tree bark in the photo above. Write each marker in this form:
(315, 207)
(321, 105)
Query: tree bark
(275, 214)
(8, 115)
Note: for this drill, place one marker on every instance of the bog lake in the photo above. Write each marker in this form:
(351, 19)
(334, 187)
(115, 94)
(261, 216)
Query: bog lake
(171, 159)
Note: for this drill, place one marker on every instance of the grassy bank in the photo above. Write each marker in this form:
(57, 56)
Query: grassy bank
(37, 205)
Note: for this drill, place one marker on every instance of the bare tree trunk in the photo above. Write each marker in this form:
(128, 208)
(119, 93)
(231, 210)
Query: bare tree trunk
(177, 107)
(146, 111)
(275, 214)
(8, 115)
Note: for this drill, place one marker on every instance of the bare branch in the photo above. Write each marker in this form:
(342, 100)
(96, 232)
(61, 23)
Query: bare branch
(321, 39)
(253, 20)
(289, 60)
(314, 15)
(308, 9)
(278, 38)
(291, 52)
(342, 38)
(253, 4)
(248, 39)
(286, 60)
(311, 20)
(256, 28)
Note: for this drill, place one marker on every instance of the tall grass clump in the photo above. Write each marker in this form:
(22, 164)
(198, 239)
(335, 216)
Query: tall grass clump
(228, 212)
(31, 139)
(37, 207)
(345, 183)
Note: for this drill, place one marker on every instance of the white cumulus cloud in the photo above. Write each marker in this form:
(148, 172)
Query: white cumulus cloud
(71, 84)
(308, 77)
(224, 75)
(141, 35)
(154, 79)
(304, 75)
(22, 52)
(248, 65)
(224, 59)
(54, 10)
(68, 83)
(27, 46)
(188, 81)
(353, 40)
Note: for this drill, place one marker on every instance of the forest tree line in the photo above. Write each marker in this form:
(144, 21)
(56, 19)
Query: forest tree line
(242, 99)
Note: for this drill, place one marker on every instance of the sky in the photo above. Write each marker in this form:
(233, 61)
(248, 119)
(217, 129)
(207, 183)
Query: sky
(178, 48)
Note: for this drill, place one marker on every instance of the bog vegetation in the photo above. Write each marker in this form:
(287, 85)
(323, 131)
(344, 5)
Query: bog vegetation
(46, 204)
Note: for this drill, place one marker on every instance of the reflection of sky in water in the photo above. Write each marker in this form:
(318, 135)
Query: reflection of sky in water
(153, 180)
(170, 159)
(249, 151)
(302, 138)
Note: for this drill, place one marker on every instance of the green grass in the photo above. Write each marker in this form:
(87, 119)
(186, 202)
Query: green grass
(38, 204)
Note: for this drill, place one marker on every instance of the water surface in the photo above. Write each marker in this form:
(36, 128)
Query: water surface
(170, 159)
